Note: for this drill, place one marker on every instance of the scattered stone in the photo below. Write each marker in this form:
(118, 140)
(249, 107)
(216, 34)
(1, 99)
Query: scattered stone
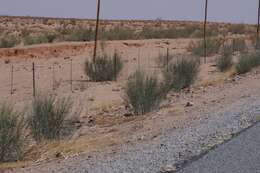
(168, 169)
(7, 61)
(59, 155)
(189, 104)
(128, 114)
(115, 89)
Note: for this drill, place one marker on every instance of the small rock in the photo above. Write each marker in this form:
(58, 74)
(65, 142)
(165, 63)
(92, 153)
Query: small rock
(59, 155)
(189, 104)
(168, 169)
(7, 61)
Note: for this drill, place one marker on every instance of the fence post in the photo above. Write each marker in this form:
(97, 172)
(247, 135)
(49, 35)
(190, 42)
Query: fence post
(12, 78)
(205, 30)
(167, 60)
(115, 65)
(139, 52)
(33, 69)
(53, 77)
(71, 88)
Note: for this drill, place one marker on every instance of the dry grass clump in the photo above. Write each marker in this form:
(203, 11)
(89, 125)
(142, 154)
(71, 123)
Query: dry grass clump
(182, 73)
(213, 46)
(104, 68)
(48, 116)
(12, 134)
(225, 62)
(144, 93)
(247, 62)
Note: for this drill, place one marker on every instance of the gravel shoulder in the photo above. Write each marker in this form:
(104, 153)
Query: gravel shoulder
(219, 113)
(240, 155)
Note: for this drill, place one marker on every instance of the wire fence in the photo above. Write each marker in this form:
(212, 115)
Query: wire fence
(32, 77)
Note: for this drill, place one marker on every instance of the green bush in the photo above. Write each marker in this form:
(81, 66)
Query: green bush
(8, 41)
(12, 134)
(118, 34)
(144, 93)
(247, 62)
(80, 35)
(182, 73)
(48, 117)
(237, 29)
(225, 61)
(40, 39)
(213, 46)
(104, 68)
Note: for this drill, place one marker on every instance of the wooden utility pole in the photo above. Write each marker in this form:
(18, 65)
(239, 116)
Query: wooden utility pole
(258, 22)
(205, 31)
(97, 29)
(33, 70)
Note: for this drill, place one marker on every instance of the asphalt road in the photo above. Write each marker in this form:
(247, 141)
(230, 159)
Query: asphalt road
(240, 155)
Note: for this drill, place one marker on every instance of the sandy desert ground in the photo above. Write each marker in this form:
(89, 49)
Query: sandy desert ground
(99, 108)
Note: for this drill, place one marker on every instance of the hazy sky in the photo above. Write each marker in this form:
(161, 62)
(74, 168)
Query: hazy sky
(238, 11)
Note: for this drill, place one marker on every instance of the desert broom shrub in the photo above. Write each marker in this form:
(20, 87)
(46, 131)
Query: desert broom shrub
(104, 68)
(225, 61)
(181, 73)
(12, 134)
(247, 62)
(48, 116)
(213, 46)
(144, 93)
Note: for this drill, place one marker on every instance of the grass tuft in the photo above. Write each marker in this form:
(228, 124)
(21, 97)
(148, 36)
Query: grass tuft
(12, 134)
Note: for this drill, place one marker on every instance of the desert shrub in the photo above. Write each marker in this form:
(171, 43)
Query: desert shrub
(247, 62)
(8, 41)
(117, 34)
(239, 44)
(225, 61)
(39, 39)
(181, 73)
(237, 29)
(213, 46)
(48, 116)
(80, 35)
(104, 68)
(144, 93)
(12, 134)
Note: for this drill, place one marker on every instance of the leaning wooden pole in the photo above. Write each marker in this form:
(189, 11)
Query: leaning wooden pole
(258, 23)
(96, 32)
(205, 31)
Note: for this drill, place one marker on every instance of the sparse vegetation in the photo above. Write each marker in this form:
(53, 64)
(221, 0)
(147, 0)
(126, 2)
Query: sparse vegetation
(80, 35)
(247, 62)
(181, 73)
(213, 46)
(12, 134)
(104, 68)
(144, 93)
(8, 41)
(239, 44)
(44, 38)
(48, 116)
(237, 29)
(225, 61)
